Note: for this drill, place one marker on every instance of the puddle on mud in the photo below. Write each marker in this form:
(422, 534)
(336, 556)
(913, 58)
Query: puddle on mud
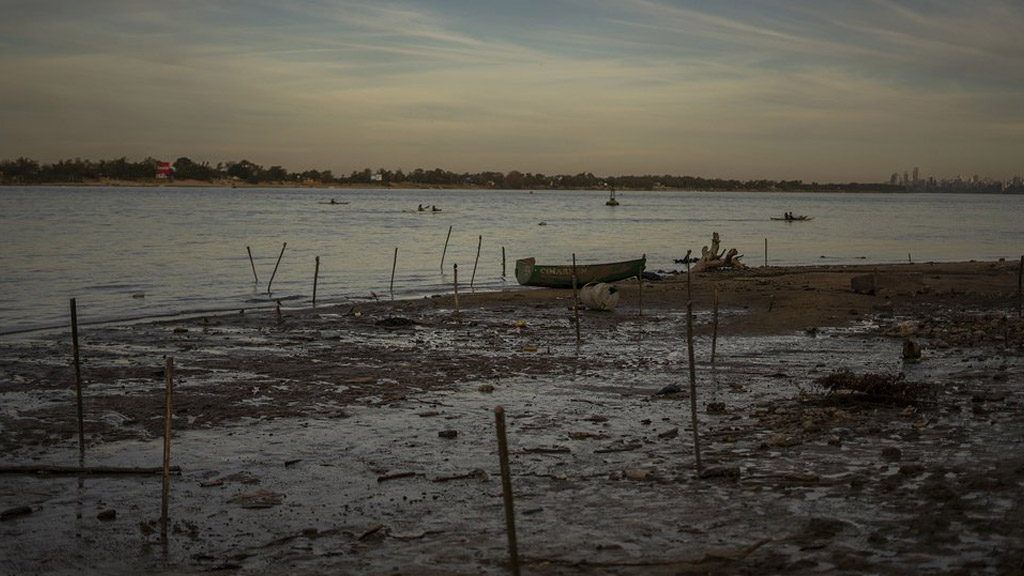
(602, 467)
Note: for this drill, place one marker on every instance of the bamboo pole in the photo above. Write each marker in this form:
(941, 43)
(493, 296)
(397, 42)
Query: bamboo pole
(283, 246)
(316, 276)
(506, 488)
(714, 325)
(479, 243)
(168, 413)
(693, 385)
(394, 264)
(689, 294)
(253, 264)
(640, 279)
(575, 300)
(78, 377)
(445, 251)
(455, 284)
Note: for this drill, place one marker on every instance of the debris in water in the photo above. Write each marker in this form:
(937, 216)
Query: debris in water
(15, 512)
(258, 499)
(873, 387)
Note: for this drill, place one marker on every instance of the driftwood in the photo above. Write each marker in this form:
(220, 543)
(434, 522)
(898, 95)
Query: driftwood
(712, 258)
(74, 470)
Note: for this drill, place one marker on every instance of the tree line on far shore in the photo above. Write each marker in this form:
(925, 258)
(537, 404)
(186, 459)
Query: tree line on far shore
(78, 171)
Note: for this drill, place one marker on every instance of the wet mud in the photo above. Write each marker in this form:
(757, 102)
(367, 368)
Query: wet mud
(361, 439)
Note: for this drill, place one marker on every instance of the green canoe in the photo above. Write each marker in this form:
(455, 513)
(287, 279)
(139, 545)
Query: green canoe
(529, 273)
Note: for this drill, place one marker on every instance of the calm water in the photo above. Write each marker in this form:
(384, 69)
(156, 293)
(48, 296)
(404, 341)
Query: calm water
(140, 252)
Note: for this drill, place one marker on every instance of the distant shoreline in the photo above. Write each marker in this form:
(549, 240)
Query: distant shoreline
(154, 183)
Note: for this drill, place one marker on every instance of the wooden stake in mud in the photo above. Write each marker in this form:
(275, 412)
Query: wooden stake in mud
(765, 252)
(502, 261)
(316, 275)
(445, 251)
(689, 295)
(394, 264)
(640, 289)
(253, 264)
(283, 246)
(714, 324)
(479, 243)
(693, 385)
(506, 486)
(78, 377)
(575, 300)
(169, 373)
(455, 284)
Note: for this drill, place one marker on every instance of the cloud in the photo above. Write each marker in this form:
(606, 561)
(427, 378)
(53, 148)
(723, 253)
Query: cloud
(814, 90)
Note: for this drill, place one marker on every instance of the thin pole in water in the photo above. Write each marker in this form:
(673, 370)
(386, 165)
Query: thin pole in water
(1020, 284)
(283, 246)
(640, 279)
(253, 264)
(455, 284)
(693, 384)
(506, 489)
(394, 264)
(765, 252)
(445, 251)
(714, 325)
(502, 261)
(689, 294)
(479, 243)
(78, 377)
(168, 412)
(316, 275)
(575, 300)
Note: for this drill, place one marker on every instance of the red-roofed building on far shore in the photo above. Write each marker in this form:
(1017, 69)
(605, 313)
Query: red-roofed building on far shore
(163, 170)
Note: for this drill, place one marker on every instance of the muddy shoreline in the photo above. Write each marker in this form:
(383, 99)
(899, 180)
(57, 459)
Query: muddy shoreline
(360, 438)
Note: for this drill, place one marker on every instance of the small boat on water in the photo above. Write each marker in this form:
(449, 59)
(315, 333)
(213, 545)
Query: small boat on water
(529, 273)
(792, 218)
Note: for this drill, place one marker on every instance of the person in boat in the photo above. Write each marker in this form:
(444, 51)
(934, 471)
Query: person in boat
(435, 209)
(789, 215)
(421, 208)
(333, 201)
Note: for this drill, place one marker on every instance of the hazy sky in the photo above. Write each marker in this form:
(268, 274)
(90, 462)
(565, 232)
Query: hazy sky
(818, 90)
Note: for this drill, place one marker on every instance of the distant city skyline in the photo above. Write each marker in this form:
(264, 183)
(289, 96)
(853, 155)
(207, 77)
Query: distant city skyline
(806, 90)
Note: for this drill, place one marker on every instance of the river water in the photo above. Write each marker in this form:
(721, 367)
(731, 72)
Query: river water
(126, 252)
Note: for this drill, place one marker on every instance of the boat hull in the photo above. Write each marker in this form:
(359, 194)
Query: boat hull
(529, 273)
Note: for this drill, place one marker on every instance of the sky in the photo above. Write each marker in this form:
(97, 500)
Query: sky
(813, 90)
